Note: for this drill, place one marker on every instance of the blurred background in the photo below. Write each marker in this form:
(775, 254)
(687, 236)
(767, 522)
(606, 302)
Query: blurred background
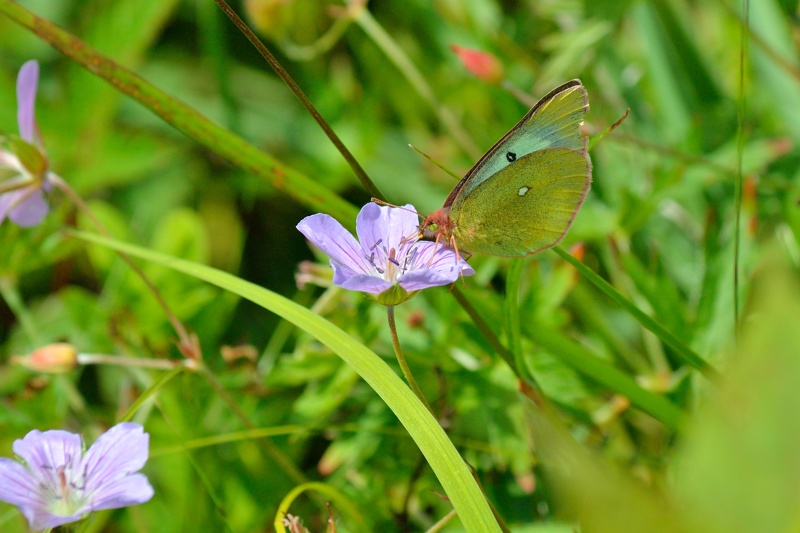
(659, 224)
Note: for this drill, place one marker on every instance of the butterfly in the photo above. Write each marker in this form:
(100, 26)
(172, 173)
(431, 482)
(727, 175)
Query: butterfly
(523, 194)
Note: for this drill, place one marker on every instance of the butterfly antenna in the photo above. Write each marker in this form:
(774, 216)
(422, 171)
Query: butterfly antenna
(426, 156)
(597, 138)
(404, 208)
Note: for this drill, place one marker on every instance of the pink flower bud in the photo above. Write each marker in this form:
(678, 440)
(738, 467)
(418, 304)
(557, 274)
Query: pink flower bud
(482, 64)
(52, 359)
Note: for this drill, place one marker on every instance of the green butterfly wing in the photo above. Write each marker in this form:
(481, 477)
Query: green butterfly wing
(553, 122)
(525, 207)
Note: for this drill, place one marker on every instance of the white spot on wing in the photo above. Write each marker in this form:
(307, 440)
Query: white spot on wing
(523, 190)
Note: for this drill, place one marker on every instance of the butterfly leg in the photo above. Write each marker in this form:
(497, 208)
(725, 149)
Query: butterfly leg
(454, 246)
(435, 246)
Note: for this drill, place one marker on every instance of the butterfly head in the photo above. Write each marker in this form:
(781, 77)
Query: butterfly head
(437, 226)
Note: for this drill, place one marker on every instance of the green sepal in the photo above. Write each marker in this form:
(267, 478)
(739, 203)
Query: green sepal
(395, 295)
(29, 155)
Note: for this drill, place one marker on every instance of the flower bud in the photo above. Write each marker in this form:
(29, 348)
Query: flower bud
(310, 273)
(52, 359)
(482, 64)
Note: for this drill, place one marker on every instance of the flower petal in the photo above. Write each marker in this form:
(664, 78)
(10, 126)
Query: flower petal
(46, 520)
(444, 258)
(21, 489)
(441, 269)
(130, 490)
(48, 451)
(385, 226)
(117, 453)
(365, 283)
(25, 207)
(27, 80)
(328, 235)
(423, 279)
(6, 201)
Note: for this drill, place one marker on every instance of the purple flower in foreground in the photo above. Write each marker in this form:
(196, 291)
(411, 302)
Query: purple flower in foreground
(389, 256)
(22, 160)
(59, 484)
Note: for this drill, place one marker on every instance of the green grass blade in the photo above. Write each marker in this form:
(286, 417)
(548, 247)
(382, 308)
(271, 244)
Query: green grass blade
(450, 469)
(598, 370)
(153, 389)
(686, 354)
(513, 281)
(330, 493)
(141, 22)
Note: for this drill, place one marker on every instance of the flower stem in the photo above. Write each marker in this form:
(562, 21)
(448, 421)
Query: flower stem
(162, 364)
(513, 280)
(187, 341)
(484, 328)
(402, 360)
(438, 526)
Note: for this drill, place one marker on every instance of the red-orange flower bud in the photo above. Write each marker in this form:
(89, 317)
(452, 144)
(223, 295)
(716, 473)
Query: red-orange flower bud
(482, 64)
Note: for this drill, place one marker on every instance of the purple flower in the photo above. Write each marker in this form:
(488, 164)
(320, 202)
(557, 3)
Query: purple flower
(59, 484)
(389, 254)
(21, 195)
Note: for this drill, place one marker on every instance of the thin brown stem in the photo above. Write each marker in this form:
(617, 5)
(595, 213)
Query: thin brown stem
(367, 183)
(484, 327)
(116, 360)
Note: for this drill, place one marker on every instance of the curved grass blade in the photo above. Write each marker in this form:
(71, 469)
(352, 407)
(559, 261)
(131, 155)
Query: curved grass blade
(330, 493)
(450, 469)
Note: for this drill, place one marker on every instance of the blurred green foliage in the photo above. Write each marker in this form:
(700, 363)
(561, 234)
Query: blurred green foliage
(659, 225)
